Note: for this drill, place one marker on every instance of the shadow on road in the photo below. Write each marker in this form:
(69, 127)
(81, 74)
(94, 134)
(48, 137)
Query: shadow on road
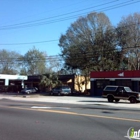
(105, 102)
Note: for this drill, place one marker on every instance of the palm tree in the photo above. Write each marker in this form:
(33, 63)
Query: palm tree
(49, 80)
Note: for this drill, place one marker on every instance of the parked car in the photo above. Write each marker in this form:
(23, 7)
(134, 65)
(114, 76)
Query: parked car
(29, 90)
(61, 90)
(120, 92)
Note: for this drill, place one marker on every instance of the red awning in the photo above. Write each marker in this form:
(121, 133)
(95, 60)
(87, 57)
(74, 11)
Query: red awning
(115, 74)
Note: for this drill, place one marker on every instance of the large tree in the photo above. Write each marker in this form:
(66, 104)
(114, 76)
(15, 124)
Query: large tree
(34, 62)
(129, 39)
(9, 62)
(90, 43)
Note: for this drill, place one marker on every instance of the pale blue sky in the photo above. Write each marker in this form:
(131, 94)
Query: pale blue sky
(49, 19)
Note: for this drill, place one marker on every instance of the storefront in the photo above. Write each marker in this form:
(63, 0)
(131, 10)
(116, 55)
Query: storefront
(34, 80)
(12, 83)
(123, 78)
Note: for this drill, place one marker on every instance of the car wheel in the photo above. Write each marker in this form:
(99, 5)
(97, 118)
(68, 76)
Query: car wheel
(110, 99)
(133, 100)
(28, 92)
(117, 100)
(59, 94)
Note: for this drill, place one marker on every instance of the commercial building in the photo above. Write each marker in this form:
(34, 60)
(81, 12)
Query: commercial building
(15, 83)
(125, 78)
(12, 82)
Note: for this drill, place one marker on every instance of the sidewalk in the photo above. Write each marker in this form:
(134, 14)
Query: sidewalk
(70, 100)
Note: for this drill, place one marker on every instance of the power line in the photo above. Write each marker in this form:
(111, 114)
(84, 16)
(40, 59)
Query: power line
(26, 43)
(66, 18)
(62, 7)
(57, 15)
(60, 58)
(48, 17)
(47, 41)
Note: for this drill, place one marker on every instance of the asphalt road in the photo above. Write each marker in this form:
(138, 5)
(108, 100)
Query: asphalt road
(50, 121)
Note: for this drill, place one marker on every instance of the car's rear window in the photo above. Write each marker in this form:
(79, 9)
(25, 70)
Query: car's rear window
(110, 88)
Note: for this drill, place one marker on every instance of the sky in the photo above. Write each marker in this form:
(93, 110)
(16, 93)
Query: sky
(25, 24)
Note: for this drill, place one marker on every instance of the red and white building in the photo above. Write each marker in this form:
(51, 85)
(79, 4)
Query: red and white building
(125, 78)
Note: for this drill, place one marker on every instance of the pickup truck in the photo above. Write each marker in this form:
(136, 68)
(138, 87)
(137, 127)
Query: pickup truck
(115, 93)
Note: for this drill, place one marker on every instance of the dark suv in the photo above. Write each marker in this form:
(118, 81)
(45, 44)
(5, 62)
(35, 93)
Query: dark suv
(120, 92)
(61, 90)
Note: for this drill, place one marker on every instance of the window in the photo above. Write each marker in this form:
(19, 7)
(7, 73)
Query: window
(110, 88)
(102, 83)
(127, 89)
(120, 89)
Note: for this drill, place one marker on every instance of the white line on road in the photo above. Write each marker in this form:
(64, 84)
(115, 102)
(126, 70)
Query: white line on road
(49, 107)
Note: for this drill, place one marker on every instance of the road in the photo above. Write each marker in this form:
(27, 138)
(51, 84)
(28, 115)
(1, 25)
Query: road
(21, 120)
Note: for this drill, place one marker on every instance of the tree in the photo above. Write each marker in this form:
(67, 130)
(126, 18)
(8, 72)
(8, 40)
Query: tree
(49, 80)
(9, 62)
(35, 62)
(129, 39)
(54, 63)
(89, 43)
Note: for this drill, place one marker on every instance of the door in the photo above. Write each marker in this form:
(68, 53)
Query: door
(121, 93)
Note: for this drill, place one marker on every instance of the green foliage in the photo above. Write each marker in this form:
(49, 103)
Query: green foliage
(128, 31)
(49, 80)
(90, 43)
(9, 63)
(35, 62)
